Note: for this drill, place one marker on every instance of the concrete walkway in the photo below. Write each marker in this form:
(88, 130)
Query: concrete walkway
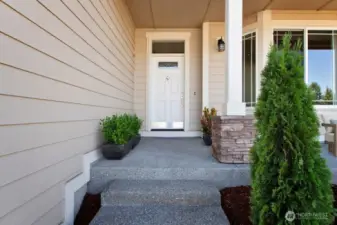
(169, 182)
(176, 159)
(168, 153)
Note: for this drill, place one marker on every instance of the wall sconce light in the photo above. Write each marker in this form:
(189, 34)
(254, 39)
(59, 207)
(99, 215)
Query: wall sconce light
(221, 45)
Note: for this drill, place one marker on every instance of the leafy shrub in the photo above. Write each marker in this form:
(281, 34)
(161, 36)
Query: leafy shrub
(206, 120)
(288, 173)
(119, 129)
(136, 124)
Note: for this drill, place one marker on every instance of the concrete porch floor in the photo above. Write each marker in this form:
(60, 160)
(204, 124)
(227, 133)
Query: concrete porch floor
(176, 159)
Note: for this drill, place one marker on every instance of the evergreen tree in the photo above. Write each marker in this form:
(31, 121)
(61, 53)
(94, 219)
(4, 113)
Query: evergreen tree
(316, 90)
(288, 173)
(328, 96)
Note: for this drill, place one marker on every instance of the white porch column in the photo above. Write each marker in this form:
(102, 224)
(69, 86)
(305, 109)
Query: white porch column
(264, 41)
(233, 59)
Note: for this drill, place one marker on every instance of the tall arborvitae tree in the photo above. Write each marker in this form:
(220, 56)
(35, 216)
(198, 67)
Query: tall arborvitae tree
(288, 172)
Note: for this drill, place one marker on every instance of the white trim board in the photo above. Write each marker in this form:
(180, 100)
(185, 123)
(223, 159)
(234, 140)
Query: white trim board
(167, 36)
(76, 183)
(205, 64)
(171, 134)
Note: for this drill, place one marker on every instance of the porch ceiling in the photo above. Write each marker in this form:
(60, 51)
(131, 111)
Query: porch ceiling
(191, 13)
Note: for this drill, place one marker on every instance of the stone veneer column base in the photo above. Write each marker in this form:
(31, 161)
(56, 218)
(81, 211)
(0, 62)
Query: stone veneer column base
(232, 138)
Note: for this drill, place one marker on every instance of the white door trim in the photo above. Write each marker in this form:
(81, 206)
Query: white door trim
(205, 64)
(167, 36)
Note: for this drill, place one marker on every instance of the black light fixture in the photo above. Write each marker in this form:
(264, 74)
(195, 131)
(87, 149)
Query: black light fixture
(221, 45)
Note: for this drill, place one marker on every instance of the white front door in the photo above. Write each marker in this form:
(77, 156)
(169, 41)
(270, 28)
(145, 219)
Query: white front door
(168, 93)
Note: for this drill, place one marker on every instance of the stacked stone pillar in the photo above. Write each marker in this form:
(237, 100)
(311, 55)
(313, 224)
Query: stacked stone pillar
(232, 137)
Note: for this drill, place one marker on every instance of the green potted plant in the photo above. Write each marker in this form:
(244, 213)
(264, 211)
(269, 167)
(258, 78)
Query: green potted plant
(206, 125)
(289, 176)
(121, 133)
(136, 126)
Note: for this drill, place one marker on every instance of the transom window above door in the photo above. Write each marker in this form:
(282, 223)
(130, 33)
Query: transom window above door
(168, 47)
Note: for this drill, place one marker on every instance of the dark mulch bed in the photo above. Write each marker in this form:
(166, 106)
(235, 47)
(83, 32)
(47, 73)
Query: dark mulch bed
(235, 203)
(89, 207)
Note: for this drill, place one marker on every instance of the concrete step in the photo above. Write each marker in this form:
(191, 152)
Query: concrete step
(224, 175)
(160, 215)
(160, 192)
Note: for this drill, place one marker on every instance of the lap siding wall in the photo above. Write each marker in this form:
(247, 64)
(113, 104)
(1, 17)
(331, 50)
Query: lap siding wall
(63, 66)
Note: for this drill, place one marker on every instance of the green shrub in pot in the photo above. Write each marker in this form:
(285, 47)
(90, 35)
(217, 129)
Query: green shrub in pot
(116, 129)
(126, 125)
(136, 125)
(121, 133)
(108, 125)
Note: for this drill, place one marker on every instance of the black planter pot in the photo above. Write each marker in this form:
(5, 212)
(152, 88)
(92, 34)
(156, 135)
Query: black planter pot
(136, 140)
(114, 151)
(207, 139)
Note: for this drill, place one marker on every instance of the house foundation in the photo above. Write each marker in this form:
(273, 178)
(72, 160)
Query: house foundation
(232, 137)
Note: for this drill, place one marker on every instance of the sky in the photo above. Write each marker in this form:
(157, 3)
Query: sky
(320, 68)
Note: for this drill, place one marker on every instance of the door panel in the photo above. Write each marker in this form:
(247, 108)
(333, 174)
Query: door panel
(168, 92)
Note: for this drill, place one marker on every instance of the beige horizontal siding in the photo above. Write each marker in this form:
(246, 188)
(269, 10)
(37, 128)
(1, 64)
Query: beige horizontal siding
(217, 61)
(195, 74)
(64, 66)
(37, 183)
(28, 204)
(139, 100)
(28, 213)
(195, 94)
(216, 77)
(52, 215)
